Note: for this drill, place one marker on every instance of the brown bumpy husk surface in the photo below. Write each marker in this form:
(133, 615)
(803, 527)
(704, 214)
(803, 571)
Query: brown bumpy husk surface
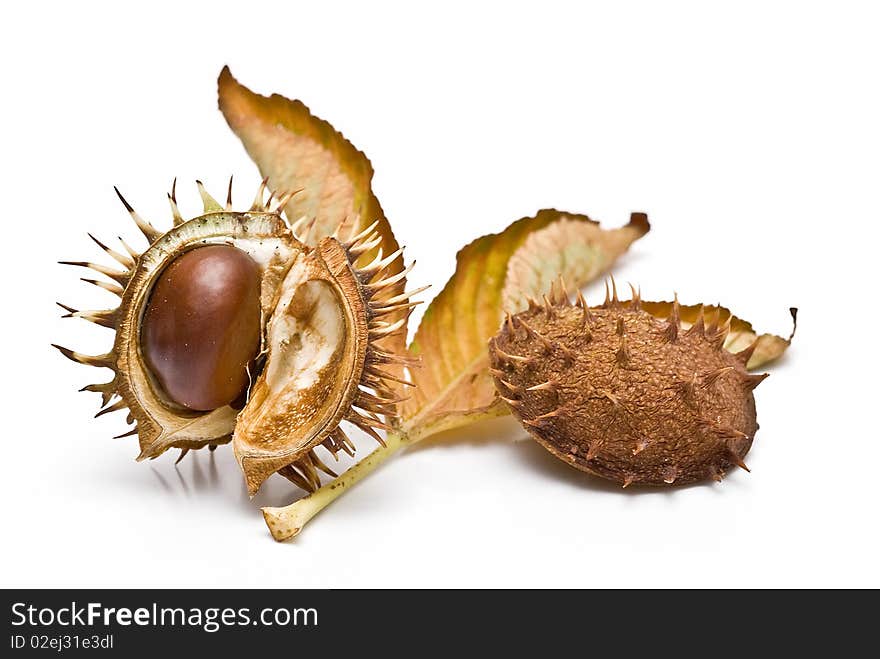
(618, 393)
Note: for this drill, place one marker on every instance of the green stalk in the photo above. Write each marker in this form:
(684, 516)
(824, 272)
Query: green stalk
(286, 522)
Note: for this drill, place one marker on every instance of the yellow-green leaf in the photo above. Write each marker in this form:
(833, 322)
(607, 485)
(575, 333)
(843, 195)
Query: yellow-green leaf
(494, 274)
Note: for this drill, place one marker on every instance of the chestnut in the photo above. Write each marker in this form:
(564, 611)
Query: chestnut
(201, 326)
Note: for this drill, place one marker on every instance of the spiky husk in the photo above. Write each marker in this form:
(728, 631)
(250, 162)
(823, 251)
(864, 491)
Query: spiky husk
(286, 419)
(366, 296)
(613, 391)
(160, 424)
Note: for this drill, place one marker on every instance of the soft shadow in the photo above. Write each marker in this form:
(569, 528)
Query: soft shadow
(164, 483)
(193, 474)
(275, 492)
(481, 433)
(183, 484)
(213, 472)
(198, 476)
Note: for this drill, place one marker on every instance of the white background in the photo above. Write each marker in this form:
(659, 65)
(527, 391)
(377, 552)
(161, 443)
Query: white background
(749, 134)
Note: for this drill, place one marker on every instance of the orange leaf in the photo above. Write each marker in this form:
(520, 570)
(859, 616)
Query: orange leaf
(298, 151)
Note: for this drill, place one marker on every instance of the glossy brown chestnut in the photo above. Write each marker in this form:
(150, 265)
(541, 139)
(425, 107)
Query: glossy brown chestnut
(201, 326)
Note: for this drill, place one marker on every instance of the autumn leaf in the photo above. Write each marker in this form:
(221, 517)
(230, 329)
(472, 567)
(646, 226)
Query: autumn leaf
(494, 274)
(298, 151)
(769, 347)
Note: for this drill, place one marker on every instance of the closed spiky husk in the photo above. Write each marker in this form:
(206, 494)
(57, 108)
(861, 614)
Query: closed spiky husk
(616, 392)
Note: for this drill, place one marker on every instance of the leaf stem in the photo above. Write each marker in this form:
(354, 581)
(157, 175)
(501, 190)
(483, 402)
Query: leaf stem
(287, 521)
